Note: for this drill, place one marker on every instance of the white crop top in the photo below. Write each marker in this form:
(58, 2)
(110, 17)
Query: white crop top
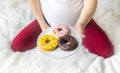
(61, 11)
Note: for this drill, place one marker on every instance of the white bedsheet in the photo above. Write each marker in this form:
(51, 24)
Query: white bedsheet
(16, 14)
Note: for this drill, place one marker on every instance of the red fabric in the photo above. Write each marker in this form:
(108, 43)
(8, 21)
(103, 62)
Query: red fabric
(96, 40)
(27, 38)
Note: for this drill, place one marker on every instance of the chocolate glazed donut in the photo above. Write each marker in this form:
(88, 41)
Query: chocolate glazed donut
(68, 43)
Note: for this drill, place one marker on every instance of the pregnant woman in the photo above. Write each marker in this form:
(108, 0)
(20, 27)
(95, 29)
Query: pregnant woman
(75, 13)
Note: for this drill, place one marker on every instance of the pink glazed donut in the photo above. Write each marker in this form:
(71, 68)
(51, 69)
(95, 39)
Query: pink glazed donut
(61, 30)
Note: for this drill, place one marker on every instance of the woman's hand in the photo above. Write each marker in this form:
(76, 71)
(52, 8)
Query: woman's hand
(37, 11)
(81, 30)
(44, 26)
(87, 12)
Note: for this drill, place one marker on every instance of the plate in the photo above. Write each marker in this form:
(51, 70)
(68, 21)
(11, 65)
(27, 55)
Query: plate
(59, 53)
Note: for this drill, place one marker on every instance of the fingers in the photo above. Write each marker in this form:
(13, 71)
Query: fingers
(82, 33)
(45, 27)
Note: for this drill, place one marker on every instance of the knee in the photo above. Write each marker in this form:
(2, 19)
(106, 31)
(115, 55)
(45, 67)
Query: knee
(107, 52)
(15, 46)
(104, 50)
(23, 44)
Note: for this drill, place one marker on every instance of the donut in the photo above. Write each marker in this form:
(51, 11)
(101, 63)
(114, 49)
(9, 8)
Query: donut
(61, 30)
(48, 42)
(68, 43)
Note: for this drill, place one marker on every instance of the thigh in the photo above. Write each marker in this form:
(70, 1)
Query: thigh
(27, 38)
(96, 40)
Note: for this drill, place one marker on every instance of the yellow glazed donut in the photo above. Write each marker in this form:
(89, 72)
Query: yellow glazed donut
(48, 42)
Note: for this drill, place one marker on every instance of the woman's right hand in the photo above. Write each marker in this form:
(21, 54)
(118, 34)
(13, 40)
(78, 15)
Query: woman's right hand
(36, 9)
(45, 26)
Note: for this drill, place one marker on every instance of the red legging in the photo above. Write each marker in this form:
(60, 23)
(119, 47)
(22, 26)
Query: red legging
(96, 40)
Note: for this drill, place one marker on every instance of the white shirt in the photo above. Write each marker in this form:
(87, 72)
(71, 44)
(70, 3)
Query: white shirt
(61, 11)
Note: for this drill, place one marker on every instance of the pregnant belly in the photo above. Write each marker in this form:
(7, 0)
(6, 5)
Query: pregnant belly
(60, 14)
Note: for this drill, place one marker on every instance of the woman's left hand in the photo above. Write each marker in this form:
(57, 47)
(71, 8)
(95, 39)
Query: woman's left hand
(81, 30)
